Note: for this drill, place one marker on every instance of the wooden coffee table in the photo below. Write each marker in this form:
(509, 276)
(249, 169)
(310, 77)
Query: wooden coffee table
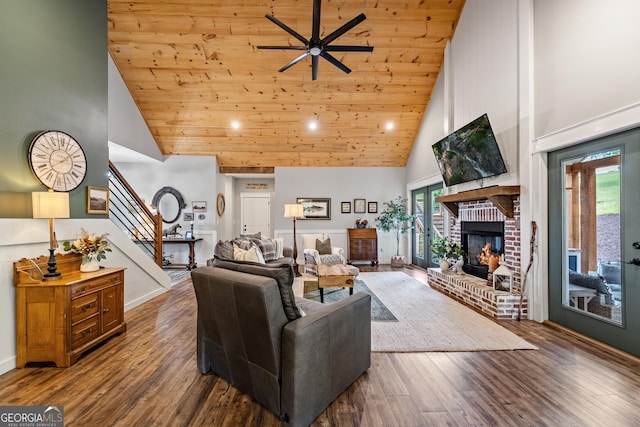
(336, 275)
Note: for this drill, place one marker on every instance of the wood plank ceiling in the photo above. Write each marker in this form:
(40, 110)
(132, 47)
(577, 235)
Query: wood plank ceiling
(193, 68)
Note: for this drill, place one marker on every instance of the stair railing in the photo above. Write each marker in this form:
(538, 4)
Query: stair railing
(129, 212)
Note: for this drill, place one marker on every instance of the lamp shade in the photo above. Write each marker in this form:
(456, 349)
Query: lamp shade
(50, 204)
(293, 211)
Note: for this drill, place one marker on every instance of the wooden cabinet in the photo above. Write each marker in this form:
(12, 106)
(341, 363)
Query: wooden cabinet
(58, 320)
(363, 244)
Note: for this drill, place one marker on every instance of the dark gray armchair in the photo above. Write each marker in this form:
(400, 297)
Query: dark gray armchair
(250, 333)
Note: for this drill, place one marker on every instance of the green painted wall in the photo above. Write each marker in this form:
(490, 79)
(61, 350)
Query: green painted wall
(53, 75)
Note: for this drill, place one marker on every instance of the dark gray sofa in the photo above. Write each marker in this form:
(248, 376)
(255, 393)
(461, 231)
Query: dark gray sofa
(224, 250)
(250, 333)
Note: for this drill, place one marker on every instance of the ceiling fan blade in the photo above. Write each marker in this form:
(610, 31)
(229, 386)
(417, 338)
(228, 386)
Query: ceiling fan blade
(295, 61)
(337, 48)
(335, 62)
(346, 27)
(286, 28)
(315, 30)
(314, 67)
(283, 47)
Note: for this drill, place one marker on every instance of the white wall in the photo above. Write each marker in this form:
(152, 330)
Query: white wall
(29, 238)
(126, 126)
(197, 179)
(586, 60)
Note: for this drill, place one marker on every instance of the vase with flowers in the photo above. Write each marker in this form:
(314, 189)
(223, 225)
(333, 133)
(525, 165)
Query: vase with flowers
(361, 223)
(92, 247)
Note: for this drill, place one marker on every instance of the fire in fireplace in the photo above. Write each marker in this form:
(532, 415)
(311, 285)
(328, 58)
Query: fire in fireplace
(483, 242)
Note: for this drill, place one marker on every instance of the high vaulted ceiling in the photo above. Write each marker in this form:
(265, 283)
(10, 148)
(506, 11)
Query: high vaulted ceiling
(193, 68)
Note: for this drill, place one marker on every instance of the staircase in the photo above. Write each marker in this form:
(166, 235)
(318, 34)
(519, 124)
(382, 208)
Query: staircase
(131, 215)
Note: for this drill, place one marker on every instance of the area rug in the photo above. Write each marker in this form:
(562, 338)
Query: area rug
(379, 312)
(431, 321)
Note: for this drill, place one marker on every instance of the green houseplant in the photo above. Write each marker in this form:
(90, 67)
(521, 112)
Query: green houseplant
(394, 217)
(445, 251)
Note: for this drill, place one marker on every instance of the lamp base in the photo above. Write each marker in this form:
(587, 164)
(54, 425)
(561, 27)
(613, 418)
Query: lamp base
(52, 273)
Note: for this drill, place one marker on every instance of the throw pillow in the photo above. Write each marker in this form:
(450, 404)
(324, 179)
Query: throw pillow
(323, 248)
(252, 254)
(243, 243)
(267, 247)
(257, 235)
(279, 247)
(224, 249)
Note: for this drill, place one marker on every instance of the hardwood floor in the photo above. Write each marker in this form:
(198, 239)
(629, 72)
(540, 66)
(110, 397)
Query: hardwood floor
(148, 376)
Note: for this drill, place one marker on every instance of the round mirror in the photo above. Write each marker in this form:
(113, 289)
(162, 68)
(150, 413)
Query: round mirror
(169, 203)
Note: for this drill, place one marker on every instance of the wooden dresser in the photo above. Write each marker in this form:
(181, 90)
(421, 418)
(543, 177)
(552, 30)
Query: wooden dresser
(58, 320)
(363, 245)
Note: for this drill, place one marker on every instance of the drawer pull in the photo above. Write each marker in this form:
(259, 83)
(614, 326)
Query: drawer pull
(86, 332)
(81, 290)
(87, 307)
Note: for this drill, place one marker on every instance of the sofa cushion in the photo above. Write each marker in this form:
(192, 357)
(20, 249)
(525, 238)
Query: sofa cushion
(323, 246)
(283, 274)
(251, 254)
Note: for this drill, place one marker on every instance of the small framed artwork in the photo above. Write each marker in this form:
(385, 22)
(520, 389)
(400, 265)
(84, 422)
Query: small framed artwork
(359, 206)
(187, 216)
(315, 208)
(97, 200)
(345, 207)
(372, 207)
(188, 235)
(199, 206)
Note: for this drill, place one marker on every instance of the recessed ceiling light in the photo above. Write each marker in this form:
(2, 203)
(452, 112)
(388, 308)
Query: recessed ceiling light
(235, 124)
(313, 125)
(389, 125)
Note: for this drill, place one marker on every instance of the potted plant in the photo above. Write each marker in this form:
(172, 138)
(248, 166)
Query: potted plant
(446, 252)
(93, 249)
(394, 217)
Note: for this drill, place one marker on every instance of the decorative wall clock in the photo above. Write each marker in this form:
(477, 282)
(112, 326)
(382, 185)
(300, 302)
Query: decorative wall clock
(57, 160)
(220, 204)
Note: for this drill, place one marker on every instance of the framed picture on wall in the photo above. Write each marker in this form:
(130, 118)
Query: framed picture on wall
(315, 208)
(97, 200)
(359, 206)
(372, 207)
(199, 206)
(345, 207)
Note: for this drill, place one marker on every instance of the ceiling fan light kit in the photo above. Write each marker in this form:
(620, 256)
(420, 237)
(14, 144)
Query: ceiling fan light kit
(317, 47)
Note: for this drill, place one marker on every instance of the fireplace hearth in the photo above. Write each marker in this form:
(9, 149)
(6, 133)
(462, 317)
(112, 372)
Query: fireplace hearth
(483, 244)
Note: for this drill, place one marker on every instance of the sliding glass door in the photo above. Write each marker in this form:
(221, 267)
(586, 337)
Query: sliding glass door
(429, 222)
(594, 239)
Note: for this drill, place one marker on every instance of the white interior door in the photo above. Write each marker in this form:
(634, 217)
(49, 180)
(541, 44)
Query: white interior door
(255, 215)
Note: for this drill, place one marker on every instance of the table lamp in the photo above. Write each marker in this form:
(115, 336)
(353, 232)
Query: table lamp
(50, 204)
(294, 211)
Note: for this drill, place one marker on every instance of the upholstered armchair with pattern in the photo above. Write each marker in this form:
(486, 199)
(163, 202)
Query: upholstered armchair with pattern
(318, 250)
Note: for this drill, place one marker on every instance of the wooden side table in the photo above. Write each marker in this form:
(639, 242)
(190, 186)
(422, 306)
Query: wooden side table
(192, 252)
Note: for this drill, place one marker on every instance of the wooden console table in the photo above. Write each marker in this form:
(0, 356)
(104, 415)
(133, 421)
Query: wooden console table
(58, 320)
(192, 252)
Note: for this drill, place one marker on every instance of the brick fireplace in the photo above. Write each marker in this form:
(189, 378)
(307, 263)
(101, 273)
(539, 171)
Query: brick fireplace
(488, 216)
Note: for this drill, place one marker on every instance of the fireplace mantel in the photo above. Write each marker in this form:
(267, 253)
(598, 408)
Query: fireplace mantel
(500, 196)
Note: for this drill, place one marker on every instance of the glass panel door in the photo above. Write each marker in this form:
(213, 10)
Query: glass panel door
(593, 200)
(429, 222)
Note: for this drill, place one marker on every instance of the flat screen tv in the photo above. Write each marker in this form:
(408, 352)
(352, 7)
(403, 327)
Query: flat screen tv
(470, 153)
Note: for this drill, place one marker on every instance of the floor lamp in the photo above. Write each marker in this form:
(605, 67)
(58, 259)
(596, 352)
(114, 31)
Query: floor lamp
(294, 211)
(50, 204)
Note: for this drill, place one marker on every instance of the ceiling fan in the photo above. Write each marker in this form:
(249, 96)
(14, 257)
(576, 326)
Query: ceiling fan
(319, 47)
